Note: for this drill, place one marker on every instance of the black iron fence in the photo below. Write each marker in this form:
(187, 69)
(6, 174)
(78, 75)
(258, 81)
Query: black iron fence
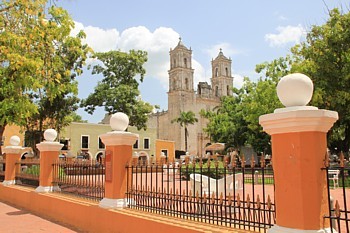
(27, 172)
(82, 178)
(213, 192)
(338, 181)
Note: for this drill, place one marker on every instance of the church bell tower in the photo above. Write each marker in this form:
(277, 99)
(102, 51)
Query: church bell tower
(181, 95)
(222, 80)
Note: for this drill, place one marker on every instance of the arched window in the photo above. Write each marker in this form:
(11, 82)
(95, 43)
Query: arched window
(185, 62)
(217, 91)
(174, 63)
(174, 84)
(228, 90)
(226, 70)
(186, 84)
(216, 72)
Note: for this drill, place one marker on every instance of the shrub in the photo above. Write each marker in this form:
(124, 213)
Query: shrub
(212, 171)
(35, 171)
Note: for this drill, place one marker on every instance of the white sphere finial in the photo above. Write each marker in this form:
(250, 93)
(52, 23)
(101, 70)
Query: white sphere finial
(15, 140)
(119, 121)
(50, 135)
(295, 90)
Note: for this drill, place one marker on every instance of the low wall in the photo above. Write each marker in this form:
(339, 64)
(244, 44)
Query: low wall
(89, 217)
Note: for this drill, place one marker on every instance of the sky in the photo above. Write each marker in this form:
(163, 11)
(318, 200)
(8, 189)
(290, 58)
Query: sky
(249, 32)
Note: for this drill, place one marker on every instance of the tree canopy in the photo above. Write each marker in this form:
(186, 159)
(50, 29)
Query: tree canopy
(324, 56)
(236, 121)
(118, 90)
(38, 64)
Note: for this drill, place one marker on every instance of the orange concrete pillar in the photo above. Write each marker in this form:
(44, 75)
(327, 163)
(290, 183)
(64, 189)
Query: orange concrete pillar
(118, 153)
(13, 155)
(49, 152)
(298, 136)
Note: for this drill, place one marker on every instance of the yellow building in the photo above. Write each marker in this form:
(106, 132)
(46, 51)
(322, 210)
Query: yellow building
(83, 139)
(166, 147)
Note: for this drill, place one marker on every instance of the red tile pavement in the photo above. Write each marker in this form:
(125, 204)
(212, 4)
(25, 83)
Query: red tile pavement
(15, 220)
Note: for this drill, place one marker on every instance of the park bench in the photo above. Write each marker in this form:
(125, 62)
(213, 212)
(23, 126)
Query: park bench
(224, 185)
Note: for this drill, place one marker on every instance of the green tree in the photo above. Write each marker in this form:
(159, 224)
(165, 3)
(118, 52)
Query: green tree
(261, 98)
(118, 90)
(63, 60)
(18, 64)
(185, 119)
(236, 120)
(77, 118)
(226, 122)
(38, 59)
(325, 58)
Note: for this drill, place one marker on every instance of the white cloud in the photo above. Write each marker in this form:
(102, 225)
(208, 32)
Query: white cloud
(100, 40)
(156, 43)
(238, 80)
(286, 35)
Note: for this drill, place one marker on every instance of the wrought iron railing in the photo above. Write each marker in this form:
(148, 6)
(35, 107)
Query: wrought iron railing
(212, 192)
(27, 172)
(80, 178)
(338, 181)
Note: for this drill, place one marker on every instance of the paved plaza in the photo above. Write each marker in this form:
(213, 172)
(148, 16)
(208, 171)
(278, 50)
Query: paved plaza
(15, 220)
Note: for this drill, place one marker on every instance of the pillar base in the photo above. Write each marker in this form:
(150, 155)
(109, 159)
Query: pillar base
(8, 182)
(108, 203)
(47, 189)
(278, 229)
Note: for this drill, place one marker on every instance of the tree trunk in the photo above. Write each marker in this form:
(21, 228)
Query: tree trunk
(40, 130)
(186, 133)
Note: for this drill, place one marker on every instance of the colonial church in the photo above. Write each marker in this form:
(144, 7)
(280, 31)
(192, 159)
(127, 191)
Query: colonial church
(183, 97)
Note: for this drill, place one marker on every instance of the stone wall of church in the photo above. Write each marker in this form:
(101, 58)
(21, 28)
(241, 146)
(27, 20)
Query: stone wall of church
(202, 139)
(182, 97)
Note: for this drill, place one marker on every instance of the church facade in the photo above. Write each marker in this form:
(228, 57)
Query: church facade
(182, 97)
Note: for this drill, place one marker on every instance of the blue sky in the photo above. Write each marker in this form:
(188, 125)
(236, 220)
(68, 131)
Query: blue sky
(250, 32)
